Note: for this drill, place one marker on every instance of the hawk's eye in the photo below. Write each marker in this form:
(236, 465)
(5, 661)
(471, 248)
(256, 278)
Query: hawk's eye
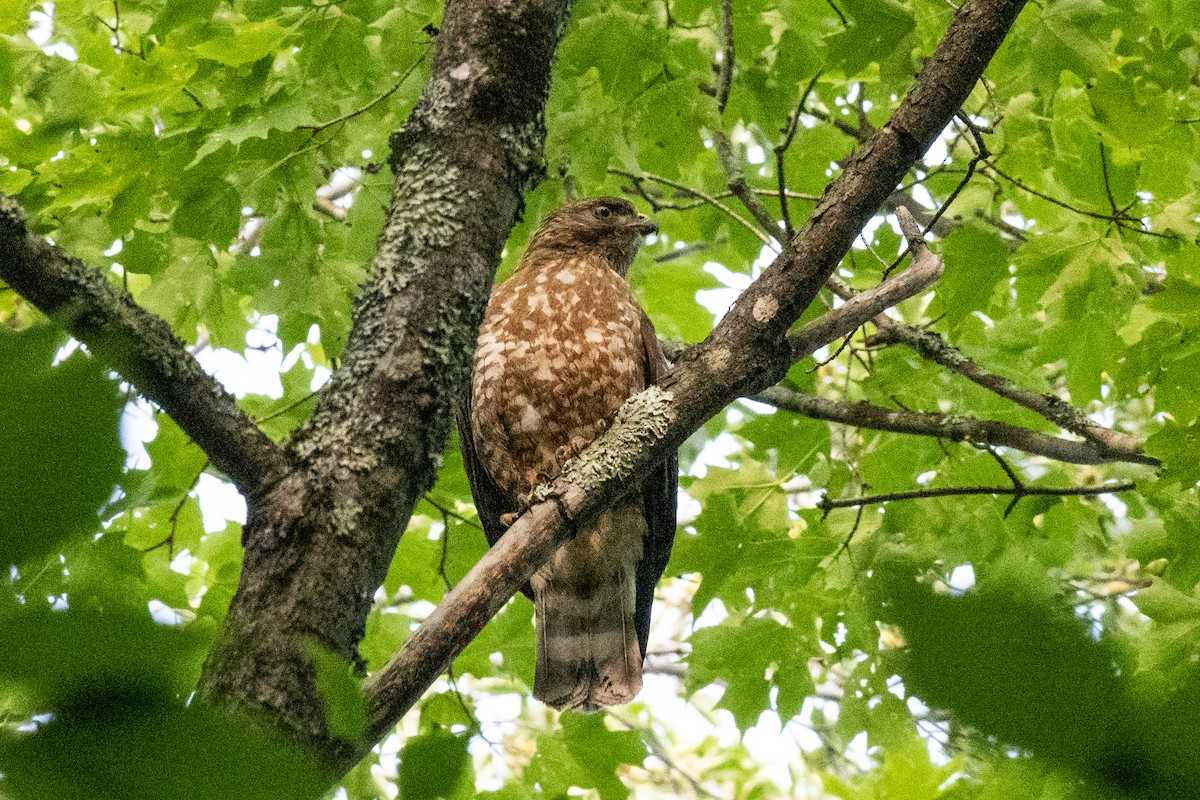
(603, 212)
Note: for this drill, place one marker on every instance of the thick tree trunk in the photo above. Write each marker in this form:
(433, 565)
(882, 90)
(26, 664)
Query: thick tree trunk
(319, 541)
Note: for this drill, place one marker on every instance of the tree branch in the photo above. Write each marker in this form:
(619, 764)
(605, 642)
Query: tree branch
(864, 306)
(141, 348)
(743, 355)
(1117, 446)
(945, 426)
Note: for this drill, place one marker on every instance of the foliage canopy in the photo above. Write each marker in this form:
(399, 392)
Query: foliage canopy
(226, 163)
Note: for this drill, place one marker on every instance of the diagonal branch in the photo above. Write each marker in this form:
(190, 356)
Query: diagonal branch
(141, 348)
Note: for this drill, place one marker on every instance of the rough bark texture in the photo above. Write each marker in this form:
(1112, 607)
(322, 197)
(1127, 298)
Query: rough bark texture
(139, 346)
(320, 542)
(745, 354)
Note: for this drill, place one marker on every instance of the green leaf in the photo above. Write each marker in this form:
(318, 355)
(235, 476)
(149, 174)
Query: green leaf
(60, 456)
(341, 689)
(245, 43)
(1178, 447)
(1008, 660)
(434, 766)
(111, 748)
(751, 656)
(876, 29)
(976, 264)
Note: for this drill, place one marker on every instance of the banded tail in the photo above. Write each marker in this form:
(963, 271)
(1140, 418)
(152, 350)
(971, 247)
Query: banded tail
(588, 654)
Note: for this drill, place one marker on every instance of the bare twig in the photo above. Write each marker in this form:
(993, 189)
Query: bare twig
(169, 541)
(655, 204)
(1016, 492)
(1121, 219)
(724, 67)
(736, 178)
(789, 133)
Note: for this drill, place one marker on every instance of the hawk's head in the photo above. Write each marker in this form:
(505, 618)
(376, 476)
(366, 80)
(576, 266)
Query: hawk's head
(609, 226)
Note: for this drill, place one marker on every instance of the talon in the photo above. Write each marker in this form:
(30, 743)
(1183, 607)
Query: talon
(508, 519)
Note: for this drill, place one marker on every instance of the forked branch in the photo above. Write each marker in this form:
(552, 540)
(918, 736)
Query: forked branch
(140, 347)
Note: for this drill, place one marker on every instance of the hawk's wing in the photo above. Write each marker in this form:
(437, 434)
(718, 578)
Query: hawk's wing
(658, 502)
(490, 500)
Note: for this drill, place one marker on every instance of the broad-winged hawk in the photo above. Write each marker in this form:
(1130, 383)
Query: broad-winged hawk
(563, 344)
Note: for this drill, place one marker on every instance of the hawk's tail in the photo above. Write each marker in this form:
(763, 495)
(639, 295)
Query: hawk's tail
(588, 654)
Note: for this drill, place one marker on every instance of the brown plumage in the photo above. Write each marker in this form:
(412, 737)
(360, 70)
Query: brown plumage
(563, 344)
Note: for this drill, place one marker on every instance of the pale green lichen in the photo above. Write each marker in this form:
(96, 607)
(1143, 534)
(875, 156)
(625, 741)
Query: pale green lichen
(643, 420)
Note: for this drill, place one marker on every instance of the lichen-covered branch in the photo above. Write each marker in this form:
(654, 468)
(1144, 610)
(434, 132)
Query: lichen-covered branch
(931, 346)
(945, 426)
(140, 347)
(744, 355)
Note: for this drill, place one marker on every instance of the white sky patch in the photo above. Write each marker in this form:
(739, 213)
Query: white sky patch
(962, 578)
(220, 503)
(137, 427)
(777, 752)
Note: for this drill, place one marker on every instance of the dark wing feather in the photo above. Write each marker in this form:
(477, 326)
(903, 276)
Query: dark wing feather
(490, 500)
(658, 503)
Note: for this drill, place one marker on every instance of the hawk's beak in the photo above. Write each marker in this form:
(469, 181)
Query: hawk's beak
(645, 226)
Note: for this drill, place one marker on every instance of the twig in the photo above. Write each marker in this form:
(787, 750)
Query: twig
(707, 198)
(838, 11)
(736, 178)
(789, 133)
(1017, 492)
(446, 511)
(725, 66)
(691, 249)
(359, 112)
(1120, 219)
(288, 407)
(169, 541)
(862, 306)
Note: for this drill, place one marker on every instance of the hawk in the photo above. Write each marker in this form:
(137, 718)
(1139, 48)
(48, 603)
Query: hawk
(563, 344)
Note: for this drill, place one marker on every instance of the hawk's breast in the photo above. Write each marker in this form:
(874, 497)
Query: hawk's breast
(559, 352)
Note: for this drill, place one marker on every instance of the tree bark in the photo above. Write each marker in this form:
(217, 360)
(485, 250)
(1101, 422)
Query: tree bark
(319, 543)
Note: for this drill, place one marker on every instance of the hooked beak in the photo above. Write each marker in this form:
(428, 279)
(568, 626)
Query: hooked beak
(645, 226)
